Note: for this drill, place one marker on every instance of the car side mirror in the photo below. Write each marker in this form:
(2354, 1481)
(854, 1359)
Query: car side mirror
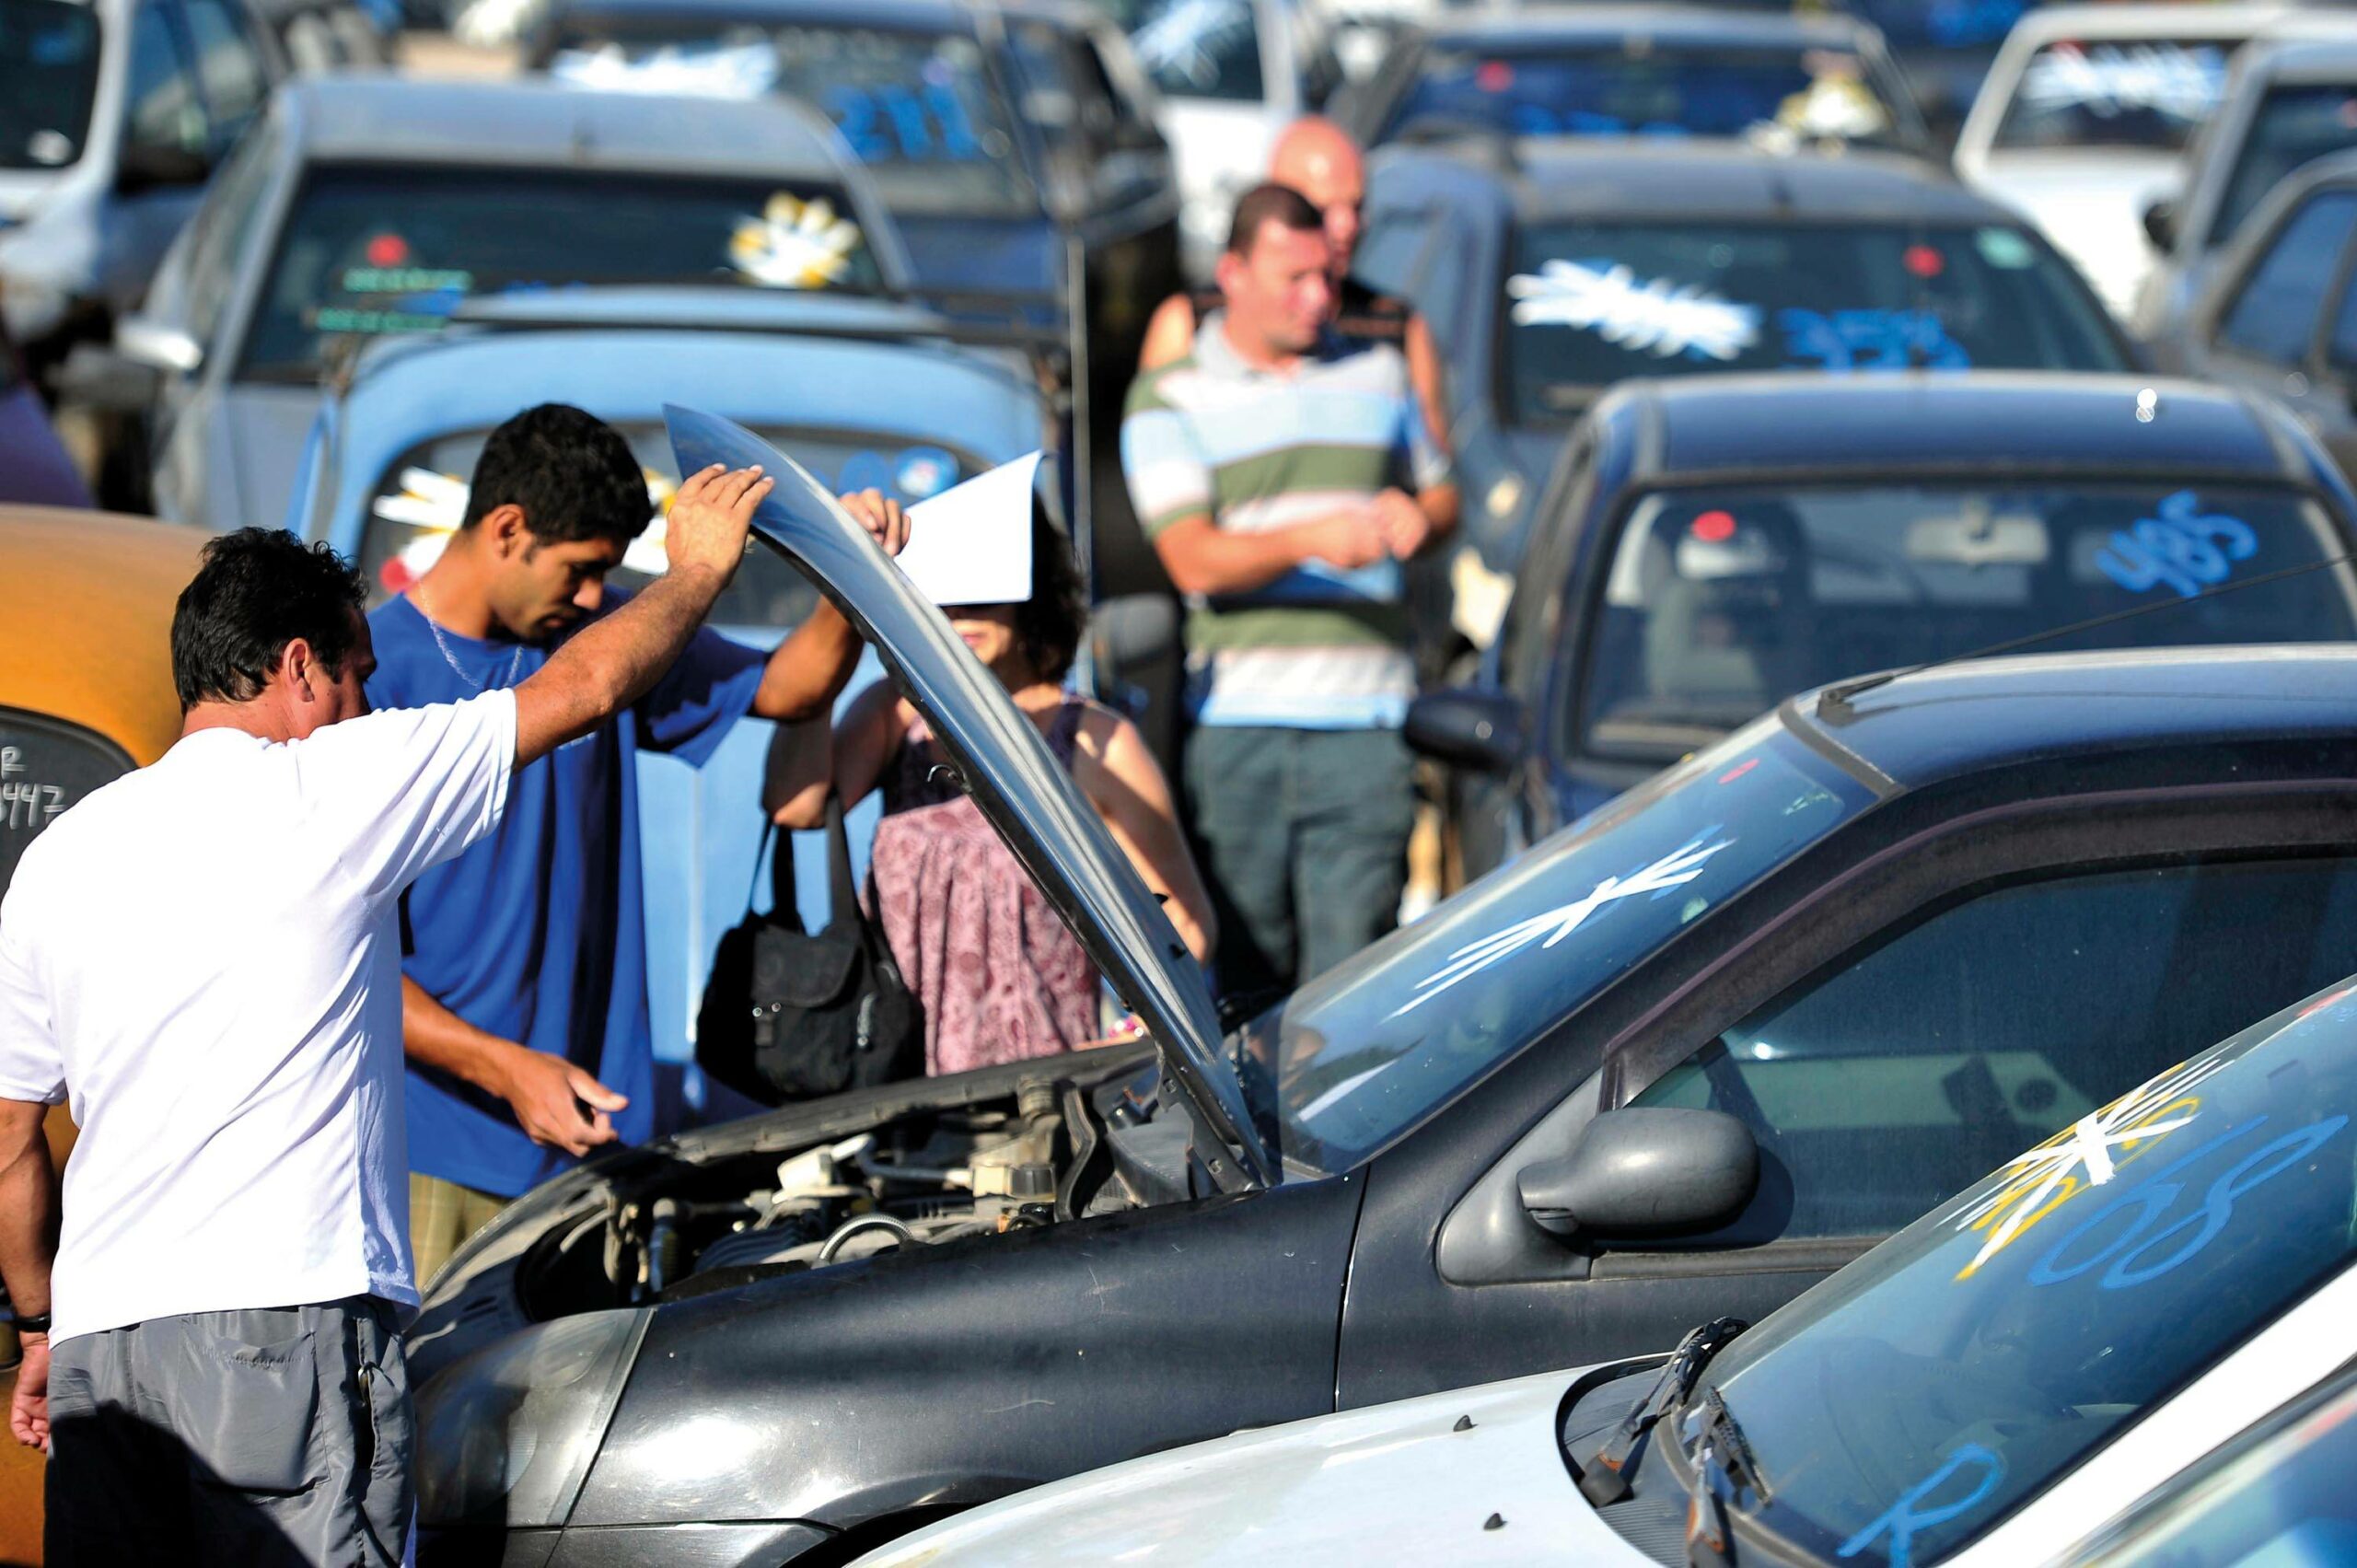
(145, 340)
(1645, 1171)
(1467, 727)
(2160, 224)
(143, 165)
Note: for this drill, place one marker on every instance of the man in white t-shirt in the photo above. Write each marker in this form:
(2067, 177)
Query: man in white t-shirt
(205, 956)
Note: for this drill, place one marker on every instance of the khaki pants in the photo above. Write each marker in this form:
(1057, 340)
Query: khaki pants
(442, 1214)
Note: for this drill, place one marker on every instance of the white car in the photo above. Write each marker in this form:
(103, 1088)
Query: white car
(2083, 121)
(2057, 1362)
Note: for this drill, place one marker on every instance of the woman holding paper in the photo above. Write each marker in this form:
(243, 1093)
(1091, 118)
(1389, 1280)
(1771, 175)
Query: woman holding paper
(1000, 976)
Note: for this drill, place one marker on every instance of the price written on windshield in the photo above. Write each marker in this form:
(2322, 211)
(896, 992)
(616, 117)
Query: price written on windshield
(26, 804)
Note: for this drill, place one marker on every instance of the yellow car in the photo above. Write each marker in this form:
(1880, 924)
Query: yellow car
(85, 694)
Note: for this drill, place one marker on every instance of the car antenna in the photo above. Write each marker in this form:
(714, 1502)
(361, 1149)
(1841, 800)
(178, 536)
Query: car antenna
(1840, 694)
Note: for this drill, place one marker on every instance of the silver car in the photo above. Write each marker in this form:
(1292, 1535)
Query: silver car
(369, 207)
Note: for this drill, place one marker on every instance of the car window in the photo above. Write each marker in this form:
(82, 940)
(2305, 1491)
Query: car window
(161, 108)
(1917, 1067)
(1651, 89)
(2291, 126)
(371, 250)
(2129, 93)
(230, 71)
(1207, 49)
(1945, 24)
(49, 74)
(1721, 603)
(2340, 349)
(923, 110)
(226, 218)
(2274, 316)
(420, 499)
(1596, 302)
(1918, 1397)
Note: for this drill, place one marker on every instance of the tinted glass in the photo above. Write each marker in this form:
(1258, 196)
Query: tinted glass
(161, 108)
(1879, 1090)
(2141, 94)
(227, 69)
(1593, 303)
(372, 251)
(1199, 48)
(49, 71)
(1921, 1394)
(2341, 349)
(1943, 24)
(2274, 316)
(1722, 602)
(1367, 1050)
(921, 109)
(1660, 90)
(423, 497)
(2291, 126)
(223, 224)
(45, 767)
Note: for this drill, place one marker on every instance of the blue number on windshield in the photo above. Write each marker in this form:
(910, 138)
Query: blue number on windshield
(897, 124)
(2183, 548)
(1901, 1521)
(1870, 340)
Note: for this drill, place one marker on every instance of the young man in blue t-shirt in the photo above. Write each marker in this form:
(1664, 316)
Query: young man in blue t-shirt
(524, 1009)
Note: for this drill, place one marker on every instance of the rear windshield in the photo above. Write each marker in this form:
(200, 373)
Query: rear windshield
(2294, 126)
(2147, 93)
(422, 498)
(1206, 49)
(1658, 89)
(1593, 303)
(49, 69)
(922, 109)
(1722, 602)
(370, 252)
(1943, 24)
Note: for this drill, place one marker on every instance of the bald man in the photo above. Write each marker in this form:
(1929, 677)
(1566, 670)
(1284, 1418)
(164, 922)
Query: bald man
(1317, 159)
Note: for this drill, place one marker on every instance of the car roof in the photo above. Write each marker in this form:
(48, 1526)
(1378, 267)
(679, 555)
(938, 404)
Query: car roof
(1635, 177)
(932, 15)
(367, 117)
(1537, 26)
(2132, 20)
(1975, 715)
(2333, 58)
(1797, 424)
(85, 621)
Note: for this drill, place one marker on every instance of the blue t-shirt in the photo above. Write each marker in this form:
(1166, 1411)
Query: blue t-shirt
(537, 934)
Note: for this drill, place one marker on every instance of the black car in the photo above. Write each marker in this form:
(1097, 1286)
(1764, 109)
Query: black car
(1709, 547)
(1554, 272)
(1638, 70)
(1000, 134)
(1903, 933)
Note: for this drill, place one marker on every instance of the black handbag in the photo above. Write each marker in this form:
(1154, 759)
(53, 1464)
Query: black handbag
(789, 1015)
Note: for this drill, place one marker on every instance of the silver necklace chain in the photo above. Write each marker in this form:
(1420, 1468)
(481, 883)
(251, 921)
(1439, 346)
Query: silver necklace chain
(515, 662)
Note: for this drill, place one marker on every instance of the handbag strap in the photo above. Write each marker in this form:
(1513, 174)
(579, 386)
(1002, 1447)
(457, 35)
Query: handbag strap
(785, 906)
(842, 892)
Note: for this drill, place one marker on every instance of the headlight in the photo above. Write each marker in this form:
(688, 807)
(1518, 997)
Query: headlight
(505, 1436)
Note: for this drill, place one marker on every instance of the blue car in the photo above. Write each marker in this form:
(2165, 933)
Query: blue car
(1555, 270)
(853, 390)
(1709, 547)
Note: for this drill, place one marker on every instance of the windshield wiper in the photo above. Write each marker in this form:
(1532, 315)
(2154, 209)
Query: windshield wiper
(1724, 1471)
(1602, 1481)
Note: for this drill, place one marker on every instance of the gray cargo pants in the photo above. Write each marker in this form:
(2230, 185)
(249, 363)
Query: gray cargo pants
(275, 1435)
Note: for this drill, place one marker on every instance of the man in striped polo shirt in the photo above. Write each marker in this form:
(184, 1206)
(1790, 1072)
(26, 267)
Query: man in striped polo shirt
(1283, 474)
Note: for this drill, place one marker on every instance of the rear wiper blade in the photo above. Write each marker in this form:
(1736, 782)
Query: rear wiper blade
(1602, 1481)
(1726, 1471)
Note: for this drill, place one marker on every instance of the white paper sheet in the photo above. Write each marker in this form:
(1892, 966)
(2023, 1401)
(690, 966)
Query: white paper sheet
(971, 544)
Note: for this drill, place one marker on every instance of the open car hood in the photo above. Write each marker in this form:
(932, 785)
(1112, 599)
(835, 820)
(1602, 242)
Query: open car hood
(1008, 770)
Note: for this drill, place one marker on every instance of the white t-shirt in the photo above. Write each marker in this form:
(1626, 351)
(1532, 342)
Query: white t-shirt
(206, 955)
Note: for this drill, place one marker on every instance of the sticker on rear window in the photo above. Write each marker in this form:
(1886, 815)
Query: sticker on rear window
(1870, 340)
(2183, 548)
(1655, 317)
(795, 244)
(2109, 79)
(2003, 247)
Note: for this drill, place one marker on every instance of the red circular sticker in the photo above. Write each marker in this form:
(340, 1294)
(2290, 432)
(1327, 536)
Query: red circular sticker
(1495, 77)
(388, 250)
(1713, 527)
(1923, 262)
(1738, 770)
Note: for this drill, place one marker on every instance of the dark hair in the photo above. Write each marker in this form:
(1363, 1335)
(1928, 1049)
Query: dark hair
(1269, 202)
(258, 590)
(572, 473)
(1049, 624)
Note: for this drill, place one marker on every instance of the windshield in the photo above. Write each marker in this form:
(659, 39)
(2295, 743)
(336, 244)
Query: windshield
(376, 251)
(1914, 1399)
(1943, 24)
(49, 69)
(1594, 303)
(919, 109)
(1206, 49)
(421, 500)
(2292, 125)
(2144, 93)
(1648, 89)
(1722, 602)
(1369, 1048)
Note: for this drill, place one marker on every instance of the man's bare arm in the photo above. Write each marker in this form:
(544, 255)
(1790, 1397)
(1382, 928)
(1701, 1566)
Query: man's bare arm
(547, 1093)
(28, 1205)
(1169, 333)
(614, 661)
(1202, 558)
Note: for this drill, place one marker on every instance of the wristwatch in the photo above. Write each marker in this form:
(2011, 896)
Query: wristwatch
(32, 1323)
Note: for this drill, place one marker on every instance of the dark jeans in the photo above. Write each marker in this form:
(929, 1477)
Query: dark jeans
(1304, 835)
(272, 1436)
